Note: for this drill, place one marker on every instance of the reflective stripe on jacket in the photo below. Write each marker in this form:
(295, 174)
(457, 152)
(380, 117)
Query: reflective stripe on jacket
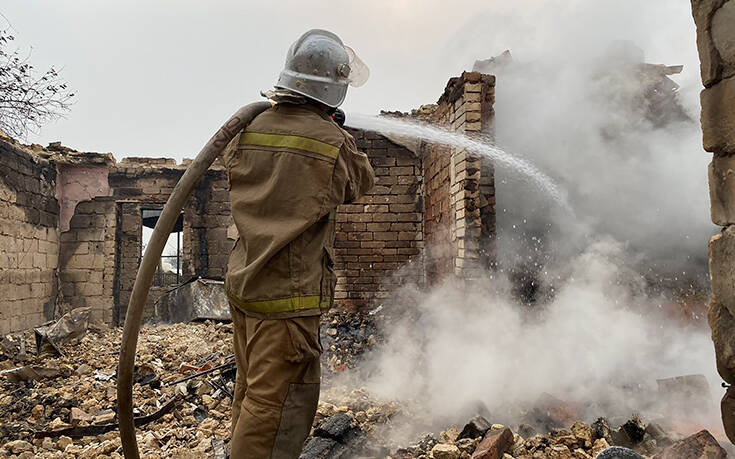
(288, 171)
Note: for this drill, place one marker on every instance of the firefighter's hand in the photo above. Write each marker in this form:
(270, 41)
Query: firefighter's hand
(339, 117)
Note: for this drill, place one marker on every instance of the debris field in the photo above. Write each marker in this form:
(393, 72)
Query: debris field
(60, 401)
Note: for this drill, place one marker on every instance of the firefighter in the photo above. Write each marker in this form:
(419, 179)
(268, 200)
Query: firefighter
(288, 171)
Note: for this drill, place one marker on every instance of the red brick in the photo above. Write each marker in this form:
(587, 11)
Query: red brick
(403, 207)
(386, 180)
(699, 445)
(378, 189)
(351, 227)
(401, 170)
(349, 208)
(363, 280)
(352, 218)
(402, 226)
(409, 217)
(408, 161)
(373, 208)
(346, 244)
(359, 236)
(386, 217)
(494, 445)
(401, 199)
(410, 179)
(384, 236)
(382, 162)
(373, 244)
(379, 226)
(386, 265)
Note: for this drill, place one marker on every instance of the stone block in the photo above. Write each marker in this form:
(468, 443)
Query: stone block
(718, 117)
(722, 324)
(722, 190)
(710, 65)
(723, 37)
(721, 267)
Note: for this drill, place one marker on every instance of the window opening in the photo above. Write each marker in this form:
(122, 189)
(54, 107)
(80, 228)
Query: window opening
(169, 271)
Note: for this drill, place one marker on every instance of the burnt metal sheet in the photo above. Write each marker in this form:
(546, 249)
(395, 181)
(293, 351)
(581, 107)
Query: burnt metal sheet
(199, 299)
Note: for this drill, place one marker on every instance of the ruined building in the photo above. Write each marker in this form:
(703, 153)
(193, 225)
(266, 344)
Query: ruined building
(716, 43)
(72, 224)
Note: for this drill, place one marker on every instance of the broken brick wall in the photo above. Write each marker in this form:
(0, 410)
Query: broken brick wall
(29, 238)
(379, 244)
(209, 219)
(87, 259)
(379, 237)
(716, 44)
(459, 218)
(147, 183)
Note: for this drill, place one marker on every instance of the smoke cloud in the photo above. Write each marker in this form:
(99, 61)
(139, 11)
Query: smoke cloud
(571, 102)
(602, 342)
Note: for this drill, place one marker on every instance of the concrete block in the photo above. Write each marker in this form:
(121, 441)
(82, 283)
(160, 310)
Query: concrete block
(718, 117)
(722, 190)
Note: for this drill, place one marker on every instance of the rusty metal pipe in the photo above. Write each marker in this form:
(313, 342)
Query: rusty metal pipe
(134, 313)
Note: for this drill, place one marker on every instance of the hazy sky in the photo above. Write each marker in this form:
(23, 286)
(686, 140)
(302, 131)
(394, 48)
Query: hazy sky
(157, 77)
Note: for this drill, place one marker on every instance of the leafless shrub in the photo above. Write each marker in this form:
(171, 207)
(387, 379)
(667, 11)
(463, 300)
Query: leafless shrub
(28, 99)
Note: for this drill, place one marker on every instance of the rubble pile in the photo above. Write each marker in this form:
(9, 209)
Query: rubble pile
(481, 440)
(69, 409)
(345, 337)
(59, 400)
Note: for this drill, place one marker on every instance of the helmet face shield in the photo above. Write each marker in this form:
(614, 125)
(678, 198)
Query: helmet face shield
(320, 67)
(359, 72)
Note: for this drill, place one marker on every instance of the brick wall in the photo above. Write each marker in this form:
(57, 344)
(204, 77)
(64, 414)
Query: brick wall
(137, 184)
(209, 218)
(460, 194)
(382, 232)
(29, 239)
(145, 183)
(438, 214)
(437, 196)
(87, 259)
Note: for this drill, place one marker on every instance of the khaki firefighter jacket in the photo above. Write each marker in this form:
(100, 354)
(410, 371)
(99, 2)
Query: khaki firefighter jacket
(288, 171)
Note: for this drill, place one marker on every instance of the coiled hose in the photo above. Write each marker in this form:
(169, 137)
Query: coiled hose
(143, 280)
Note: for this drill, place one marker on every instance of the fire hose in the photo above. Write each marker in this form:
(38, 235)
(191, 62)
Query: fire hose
(144, 279)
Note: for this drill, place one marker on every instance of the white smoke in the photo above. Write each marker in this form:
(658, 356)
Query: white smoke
(566, 105)
(601, 332)
(640, 200)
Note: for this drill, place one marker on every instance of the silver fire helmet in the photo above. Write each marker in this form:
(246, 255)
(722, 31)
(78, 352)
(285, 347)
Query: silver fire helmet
(319, 66)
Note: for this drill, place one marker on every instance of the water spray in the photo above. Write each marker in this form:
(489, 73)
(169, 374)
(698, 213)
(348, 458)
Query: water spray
(437, 135)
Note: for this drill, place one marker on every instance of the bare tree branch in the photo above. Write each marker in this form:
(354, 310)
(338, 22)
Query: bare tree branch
(28, 100)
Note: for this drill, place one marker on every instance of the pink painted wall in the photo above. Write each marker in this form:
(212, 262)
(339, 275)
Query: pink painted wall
(78, 183)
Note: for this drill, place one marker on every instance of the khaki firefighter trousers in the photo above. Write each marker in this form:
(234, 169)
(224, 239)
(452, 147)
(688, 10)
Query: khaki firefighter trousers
(277, 385)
